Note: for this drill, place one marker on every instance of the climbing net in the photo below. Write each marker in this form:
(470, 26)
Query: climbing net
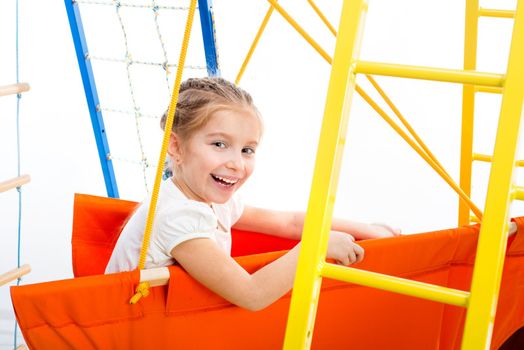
(133, 50)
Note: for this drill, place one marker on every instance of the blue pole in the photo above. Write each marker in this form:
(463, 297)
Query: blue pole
(97, 120)
(207, 22)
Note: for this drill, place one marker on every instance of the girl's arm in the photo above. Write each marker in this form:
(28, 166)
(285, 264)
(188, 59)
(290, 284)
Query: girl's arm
(290, 224)
(212, 267)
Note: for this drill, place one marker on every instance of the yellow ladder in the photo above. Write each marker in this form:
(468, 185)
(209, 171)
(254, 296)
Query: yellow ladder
(481, 301)
(467, 156)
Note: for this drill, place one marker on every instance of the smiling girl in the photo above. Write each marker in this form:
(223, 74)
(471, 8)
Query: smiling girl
(214, 139)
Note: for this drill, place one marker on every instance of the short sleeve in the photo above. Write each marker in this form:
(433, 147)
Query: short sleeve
(237, 208)
(189, 221)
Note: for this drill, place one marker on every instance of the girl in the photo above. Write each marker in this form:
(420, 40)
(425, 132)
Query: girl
(214, 139)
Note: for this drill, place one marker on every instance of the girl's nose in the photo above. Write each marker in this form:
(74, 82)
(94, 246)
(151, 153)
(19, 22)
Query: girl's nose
(235, 162)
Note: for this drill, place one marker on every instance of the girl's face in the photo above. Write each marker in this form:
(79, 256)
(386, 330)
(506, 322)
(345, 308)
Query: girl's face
(218, 158)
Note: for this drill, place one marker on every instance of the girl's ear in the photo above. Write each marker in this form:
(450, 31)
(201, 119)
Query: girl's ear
(174, 148)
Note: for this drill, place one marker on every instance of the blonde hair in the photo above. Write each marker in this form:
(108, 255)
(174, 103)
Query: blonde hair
(199, 98)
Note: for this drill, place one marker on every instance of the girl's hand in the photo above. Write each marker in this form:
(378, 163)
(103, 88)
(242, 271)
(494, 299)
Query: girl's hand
(343, 249)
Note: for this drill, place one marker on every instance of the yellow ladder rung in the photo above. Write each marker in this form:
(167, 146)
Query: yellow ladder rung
(490, 90)
(474, 219)
(486, 158)
(396, 284)
(428, 73)
(518, 193)
(496, 13)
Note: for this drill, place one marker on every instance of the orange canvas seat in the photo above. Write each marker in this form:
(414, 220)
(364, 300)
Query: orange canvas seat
(92, 312)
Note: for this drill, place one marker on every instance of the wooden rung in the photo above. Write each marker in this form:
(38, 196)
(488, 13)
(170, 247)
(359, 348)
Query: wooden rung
(14, 274)
(13, 183)
(13, 89)
(156, 277)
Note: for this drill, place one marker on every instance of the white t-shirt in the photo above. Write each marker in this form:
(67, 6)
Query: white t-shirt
(178, 219)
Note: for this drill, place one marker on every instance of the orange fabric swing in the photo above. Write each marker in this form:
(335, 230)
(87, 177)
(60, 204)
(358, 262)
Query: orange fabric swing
(92, 312)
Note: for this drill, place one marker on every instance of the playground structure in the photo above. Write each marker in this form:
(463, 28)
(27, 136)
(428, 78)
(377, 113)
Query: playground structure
(12, 184)
(15, 183)
(329, 156)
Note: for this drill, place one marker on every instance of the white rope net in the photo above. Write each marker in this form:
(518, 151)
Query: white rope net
(133, 48)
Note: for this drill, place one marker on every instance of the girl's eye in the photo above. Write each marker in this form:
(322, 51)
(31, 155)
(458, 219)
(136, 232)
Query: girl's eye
(219, 144)
(248, 150)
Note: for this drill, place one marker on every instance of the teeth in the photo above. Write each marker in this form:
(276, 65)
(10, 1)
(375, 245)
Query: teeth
(231, 182)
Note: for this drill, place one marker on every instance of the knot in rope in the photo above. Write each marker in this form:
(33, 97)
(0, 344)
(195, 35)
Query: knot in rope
(142, 290)
(166, 67)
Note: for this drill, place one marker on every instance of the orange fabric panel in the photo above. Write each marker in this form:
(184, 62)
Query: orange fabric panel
(93, 312)
(97, 222)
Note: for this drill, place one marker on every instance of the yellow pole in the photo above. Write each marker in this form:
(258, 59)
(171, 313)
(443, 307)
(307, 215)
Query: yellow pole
(468, 107)
(317, 223)
(323, 18)
(404, 122)
(494, 228)
(431, 161)
(300, 30)
(254, 44)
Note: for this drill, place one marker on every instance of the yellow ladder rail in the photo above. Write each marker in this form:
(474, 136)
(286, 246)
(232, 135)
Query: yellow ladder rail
(473, 13)
(494, 228)
(482, 299)
(468, 106)
(306, 289)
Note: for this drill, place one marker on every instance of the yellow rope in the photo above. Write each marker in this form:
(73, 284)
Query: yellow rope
(142, 289)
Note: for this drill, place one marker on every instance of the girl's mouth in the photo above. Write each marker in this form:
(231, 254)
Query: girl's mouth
(224, 181)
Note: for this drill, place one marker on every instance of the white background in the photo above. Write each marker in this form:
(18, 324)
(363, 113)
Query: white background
(382, 179)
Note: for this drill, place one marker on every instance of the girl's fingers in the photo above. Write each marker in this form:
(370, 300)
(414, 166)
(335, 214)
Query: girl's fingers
(360, 253)
(344, 261)
(352, 256)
